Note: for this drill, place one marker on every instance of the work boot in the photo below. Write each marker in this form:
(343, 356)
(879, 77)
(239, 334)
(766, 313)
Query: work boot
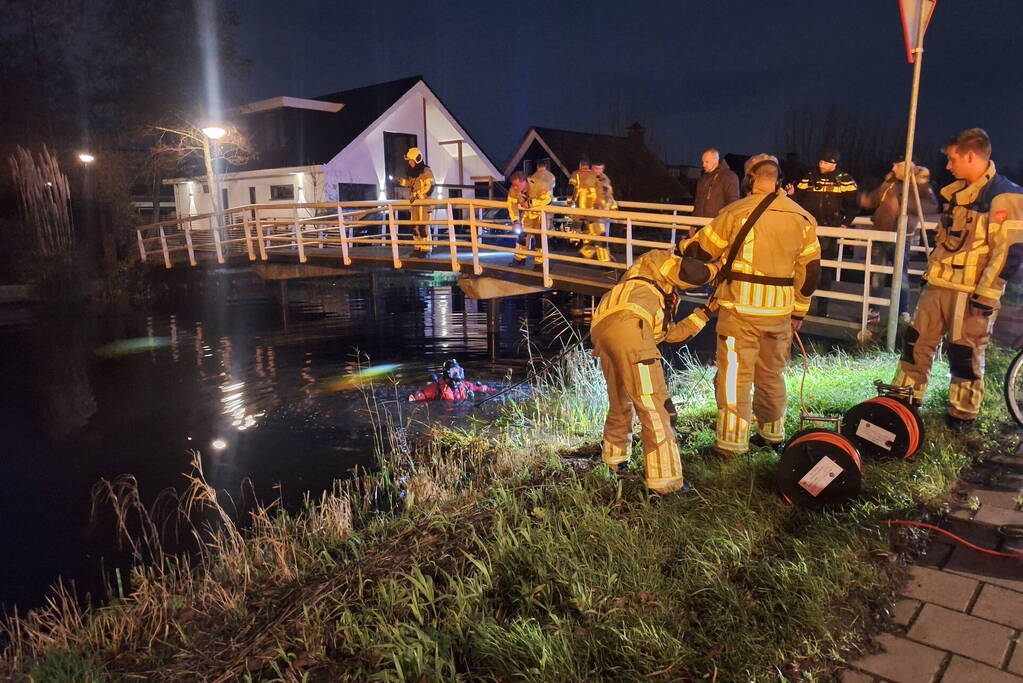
(587, 251)
(518, 262)
(538, 264)
(958, 424)
(759, 441)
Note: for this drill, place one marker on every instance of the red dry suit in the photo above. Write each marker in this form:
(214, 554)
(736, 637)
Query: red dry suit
(449, 391)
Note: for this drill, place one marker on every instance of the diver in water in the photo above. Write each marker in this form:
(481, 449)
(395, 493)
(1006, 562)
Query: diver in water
(450, 386)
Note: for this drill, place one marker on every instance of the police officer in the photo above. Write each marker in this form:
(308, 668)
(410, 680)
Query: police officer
(627, 325)
(830, 196)
(526, 193)
(420, 182)
(604, 200)
(979, 247)
(763, 294)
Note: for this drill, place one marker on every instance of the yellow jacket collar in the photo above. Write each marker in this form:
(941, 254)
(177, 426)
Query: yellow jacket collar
(967, 194)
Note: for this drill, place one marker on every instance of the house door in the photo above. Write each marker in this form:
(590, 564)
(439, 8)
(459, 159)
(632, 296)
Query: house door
(395, 166)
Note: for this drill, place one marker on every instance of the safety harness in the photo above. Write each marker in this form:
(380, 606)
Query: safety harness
(669, 299)
(726, 274)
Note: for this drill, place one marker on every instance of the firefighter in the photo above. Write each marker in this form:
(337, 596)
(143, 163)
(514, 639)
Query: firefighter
(580, 180)
(526, 193)
(604, 200)
(978, 249)
(831, 197)
(763, 293)
(420, 182)
(627, 325)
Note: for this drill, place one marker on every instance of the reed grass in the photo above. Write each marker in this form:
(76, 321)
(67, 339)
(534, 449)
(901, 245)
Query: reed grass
(504, 551)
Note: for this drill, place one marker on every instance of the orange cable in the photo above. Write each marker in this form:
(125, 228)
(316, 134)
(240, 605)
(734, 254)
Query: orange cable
(963, 541)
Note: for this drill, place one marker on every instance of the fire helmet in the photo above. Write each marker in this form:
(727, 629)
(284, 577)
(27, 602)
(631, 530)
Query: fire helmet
(413, 154)
(758, 160)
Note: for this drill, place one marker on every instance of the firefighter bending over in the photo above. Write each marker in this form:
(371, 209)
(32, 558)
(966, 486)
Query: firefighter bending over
(979, 247)
(770, 268)
(420, 182)
(527, 193)
(629, 322)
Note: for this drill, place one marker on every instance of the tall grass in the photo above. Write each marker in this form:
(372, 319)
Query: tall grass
(504, 551)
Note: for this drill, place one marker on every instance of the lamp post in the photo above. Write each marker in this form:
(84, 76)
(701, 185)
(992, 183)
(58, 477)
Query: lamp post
(211, 134)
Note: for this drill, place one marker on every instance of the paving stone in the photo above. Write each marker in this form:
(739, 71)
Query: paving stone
(1016, 663)
(1000, 571)
(937, 553)
(1009, 462)
(962, 670)
(961, 513)
(904, 610)
(999, 605)
(850, 676)
(902, 661)
(995, 498)
(960, 633)
(996, 516)
(981, 534)
(941, 588)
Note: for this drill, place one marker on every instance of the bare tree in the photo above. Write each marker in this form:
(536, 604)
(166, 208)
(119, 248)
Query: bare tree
(183, 146)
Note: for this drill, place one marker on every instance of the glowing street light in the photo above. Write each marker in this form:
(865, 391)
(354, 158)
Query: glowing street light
(214, 132)
(86, 158)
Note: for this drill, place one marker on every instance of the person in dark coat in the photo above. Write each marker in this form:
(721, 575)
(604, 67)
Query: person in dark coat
(717, 187)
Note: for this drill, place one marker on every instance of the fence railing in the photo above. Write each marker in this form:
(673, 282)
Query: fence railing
(470, 232)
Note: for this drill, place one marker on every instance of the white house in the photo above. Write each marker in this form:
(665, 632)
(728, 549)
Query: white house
(344, 146)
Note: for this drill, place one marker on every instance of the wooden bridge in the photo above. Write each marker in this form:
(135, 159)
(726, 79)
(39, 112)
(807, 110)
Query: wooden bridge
(474, 237)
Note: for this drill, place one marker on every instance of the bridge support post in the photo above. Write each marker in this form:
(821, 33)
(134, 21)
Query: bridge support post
(494, 328)
(374, 294)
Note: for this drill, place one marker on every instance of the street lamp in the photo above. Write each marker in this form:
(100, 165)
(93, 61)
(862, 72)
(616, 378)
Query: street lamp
(214, 132)
(86, 158)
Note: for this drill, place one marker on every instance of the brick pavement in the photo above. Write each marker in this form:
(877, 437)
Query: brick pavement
(959, 617)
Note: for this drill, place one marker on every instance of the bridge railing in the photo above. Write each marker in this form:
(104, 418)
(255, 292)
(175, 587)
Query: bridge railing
(470, 232)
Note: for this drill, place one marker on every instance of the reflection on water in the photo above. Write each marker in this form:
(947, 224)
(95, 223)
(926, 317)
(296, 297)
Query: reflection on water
(230, 373)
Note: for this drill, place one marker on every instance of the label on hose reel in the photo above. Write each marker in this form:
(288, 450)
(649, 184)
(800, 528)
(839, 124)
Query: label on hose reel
(820, 476)
(879, 436)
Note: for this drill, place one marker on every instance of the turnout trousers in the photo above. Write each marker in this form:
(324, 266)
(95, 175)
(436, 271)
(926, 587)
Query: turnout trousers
(635, 387)
(752, 352)
(524, 242)
(420, 215)
(945, 312)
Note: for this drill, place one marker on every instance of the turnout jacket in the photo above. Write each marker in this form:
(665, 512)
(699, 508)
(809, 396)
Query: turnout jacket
(537, 194)
(583, 183)
(979, 246)
(648, 287)
(419, 180)
(829, 197)
(605, 193)
(776, 269)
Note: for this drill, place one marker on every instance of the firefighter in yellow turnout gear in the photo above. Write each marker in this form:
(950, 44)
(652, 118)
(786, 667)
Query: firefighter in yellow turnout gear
(763, 295)
(629, 322)
(604, 200)
(420, 183)
(979, 247)
(525, 193)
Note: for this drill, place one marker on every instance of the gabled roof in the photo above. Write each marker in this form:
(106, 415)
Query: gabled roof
(637, 174)
(291, 136)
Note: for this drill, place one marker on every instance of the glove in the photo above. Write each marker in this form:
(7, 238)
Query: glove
(688, 327)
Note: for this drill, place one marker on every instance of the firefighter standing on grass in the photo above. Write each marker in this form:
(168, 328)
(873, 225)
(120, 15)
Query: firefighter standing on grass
(763, 293)
(978, 249)
(527, 193)
(420, 182)
(629, 322)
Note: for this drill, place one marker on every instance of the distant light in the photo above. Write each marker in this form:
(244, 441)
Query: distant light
(390, 177)
(214, 132)
(86, 158)
(219, 444)
(49, 183)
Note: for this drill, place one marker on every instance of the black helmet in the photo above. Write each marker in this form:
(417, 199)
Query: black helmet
(452, 370)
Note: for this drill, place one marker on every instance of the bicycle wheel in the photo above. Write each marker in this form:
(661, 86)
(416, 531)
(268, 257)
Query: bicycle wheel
(1013, 389)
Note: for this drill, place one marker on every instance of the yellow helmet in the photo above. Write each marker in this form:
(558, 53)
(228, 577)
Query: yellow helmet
(413, 154)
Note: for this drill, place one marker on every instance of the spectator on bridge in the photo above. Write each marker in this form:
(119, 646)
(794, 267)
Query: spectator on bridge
(605, 201)
(420, 182)
(978, 249)
(717, 187)
(886, 201)
(526, 193)
(829, 195)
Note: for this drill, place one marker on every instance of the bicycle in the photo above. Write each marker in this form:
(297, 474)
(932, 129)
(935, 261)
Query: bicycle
(1013, 387)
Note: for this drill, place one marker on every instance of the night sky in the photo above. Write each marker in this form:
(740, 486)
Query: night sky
(696, 73)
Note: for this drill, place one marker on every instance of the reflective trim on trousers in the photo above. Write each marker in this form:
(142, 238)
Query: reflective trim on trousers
(614, 454)
(772, 431)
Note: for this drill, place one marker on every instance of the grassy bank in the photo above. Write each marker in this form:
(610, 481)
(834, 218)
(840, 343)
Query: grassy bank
(507, 553)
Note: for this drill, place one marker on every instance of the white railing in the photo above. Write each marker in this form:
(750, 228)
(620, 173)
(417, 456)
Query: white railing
(469, 232)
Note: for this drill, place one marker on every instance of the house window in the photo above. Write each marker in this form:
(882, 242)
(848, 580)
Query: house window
(205, 188)
(356, 192)
(279, 192)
